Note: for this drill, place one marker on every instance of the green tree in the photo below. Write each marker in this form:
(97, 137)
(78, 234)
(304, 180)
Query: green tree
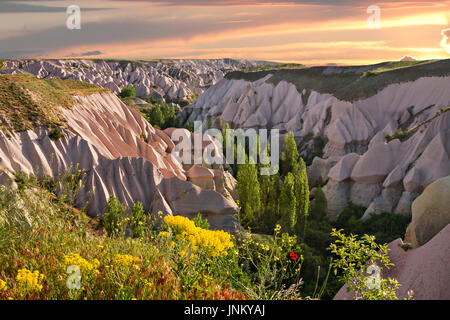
(301, 193)
(249, 193)
(318, 208)
(289, 157)
(288, 203)
(162, 116)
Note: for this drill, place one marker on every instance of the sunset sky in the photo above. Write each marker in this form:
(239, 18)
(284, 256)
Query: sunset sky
(305, 31)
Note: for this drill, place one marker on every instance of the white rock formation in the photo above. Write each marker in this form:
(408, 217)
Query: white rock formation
(165, 79)
(106, 139)
(372, 172)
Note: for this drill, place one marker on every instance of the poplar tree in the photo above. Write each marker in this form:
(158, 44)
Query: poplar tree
(249, 192)
(289, 157)
(288, 203)
(301, 193)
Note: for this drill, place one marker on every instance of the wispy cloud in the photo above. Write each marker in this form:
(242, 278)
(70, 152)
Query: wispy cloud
(291, 30)
(24, 6)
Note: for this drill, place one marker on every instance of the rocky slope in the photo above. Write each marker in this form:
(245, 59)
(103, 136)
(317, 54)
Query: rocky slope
(423, 269)
(120, 153)
(173, 80)
(345, 115)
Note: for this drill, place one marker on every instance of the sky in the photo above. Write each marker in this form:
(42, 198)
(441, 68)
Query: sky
(312, 32)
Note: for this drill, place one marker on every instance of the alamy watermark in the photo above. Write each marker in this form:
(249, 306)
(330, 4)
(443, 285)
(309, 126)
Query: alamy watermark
(374, 281)
(374, 20)
(73, 22)
(74, 279)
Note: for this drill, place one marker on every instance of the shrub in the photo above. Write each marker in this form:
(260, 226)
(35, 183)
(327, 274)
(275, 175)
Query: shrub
(200, 222)
(113, 217)
(356, 258)
(55, 134)
(138, 220)
(272, 271)
(318, 209)
(128, 92)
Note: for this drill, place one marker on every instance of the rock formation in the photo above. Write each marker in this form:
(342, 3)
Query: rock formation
(423, 268)
(430, 213)
(352, 114)
(121, 154)
(172, 80)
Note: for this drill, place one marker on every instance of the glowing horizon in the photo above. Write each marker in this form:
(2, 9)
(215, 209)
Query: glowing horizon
(307, 32)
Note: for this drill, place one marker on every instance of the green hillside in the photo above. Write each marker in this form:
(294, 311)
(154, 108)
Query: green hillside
(27, 102)
(351, 83)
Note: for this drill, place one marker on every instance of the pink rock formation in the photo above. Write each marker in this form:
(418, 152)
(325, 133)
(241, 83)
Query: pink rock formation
(122, 154)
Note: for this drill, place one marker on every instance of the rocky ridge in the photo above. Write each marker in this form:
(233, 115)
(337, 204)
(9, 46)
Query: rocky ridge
(121, 154)
(358, 163)
(172, 80)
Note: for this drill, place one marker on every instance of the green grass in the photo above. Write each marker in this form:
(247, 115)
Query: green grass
(39, 233)
(27, 102)
(269, 67)
(351, 83)
(396, 65)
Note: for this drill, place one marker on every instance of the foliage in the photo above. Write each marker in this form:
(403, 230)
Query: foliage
(55, 134)
(162, 116)
(138, 220)
(318, 207)
(128, 92)
(302, 195)
(289, 157)
(200, 222)
(27, 102)
(273, 273)
(39, 245)
(113, 217)
(288, 202)
(355, 258)
(248, 192)
(350, 218)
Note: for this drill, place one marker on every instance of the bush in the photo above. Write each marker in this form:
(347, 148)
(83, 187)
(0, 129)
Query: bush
(113, 217)
(55, 134)
(318, 209)
(200, 222)
(138, 220)
(272, 271)
(358, 257)
(349, 218)
(128, 92)
(386, 227)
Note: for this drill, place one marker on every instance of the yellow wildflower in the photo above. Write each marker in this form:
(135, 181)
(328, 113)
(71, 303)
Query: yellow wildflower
(3, 286)
(215, 243)
(30, 281)
(126, 260)
(76, 260)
